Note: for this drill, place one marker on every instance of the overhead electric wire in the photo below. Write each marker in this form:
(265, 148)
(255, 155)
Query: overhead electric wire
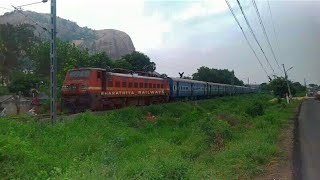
(265, 34)
(6, 8)
(31, 3)
(253, 34)
(245, 36)
(273, 26)
(35, 22)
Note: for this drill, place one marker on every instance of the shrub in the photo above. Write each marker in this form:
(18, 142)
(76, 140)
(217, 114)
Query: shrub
(255, 110)
(217, 131)
(24, 83)
(3, 90)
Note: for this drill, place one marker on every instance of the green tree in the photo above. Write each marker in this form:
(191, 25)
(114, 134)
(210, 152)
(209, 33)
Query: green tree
(122, 63)
(279, 87)
(264, 87)
(100, 60)
(24, 83)
(313, 85)
(14, 43)
(216, 75)
(139, 62)
(68, 57)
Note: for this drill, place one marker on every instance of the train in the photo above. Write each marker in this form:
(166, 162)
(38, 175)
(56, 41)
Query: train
(99, 89)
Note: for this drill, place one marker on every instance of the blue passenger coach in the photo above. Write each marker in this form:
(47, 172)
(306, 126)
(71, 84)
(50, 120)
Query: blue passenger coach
(186, 88)
(192, 89)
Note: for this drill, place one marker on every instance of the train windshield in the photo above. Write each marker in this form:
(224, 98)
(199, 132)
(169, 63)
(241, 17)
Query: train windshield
(76, 74)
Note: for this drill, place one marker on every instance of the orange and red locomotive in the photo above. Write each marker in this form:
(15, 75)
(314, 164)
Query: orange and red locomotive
(98, 89)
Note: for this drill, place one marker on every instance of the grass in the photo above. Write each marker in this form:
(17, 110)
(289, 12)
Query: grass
(216, 139)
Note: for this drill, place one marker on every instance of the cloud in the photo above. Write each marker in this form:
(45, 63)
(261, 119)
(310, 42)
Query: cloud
(202, 9)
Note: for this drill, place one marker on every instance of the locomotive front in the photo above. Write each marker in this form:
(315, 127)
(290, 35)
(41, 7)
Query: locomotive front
(76, 95)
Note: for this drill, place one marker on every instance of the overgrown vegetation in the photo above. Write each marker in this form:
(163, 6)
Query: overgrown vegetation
(3, 90)
(208, 139)
(279, 87)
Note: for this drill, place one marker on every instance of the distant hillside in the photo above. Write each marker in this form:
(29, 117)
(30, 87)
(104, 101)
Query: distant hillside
(114, 42)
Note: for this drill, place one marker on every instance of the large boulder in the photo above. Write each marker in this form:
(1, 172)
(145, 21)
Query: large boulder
(113, 42)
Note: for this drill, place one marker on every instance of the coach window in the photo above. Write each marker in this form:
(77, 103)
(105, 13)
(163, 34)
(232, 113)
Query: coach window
(158, 85)
(99, 75)
(140, 85)
(124, 84)
(130, 85)
(161, 85)
(150, 85)
(135, 85)
(154, 85)
(117, 83)
(145, 85)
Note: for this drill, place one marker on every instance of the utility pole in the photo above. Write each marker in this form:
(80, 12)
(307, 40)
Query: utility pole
(232, 82)
(248, 82)
(53, 64)
(305, 85)
(286, 77)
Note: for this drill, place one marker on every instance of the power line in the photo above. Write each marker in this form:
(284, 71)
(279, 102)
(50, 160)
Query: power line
(19, 10)
(245, 36)
(251, 30)
(35, 22)
(265, 33)
(43, 1)
(6, 8)
(273, 26)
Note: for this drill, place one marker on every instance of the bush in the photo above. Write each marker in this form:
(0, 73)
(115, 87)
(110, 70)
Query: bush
(3, 90)
(44, 107)
(217, 131)
(255, 110)
(24, 83)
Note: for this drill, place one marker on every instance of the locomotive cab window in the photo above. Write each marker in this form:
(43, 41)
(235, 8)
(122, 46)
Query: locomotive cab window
(79, 74)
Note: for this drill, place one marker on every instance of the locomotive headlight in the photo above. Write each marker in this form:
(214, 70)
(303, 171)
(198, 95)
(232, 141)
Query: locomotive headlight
(65, 88)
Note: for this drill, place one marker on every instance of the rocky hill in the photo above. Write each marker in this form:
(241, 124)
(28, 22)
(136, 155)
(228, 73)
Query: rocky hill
(114, 42)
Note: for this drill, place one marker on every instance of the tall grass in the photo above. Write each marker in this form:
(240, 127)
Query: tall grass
(216, 139)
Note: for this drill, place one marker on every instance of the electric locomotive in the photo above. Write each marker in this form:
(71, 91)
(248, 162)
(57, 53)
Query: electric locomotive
(98, 89)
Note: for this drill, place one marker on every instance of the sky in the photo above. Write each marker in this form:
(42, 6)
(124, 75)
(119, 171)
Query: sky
(181, 36)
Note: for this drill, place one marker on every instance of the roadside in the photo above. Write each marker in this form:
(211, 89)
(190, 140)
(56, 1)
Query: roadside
(309, 123)
(286, 166)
